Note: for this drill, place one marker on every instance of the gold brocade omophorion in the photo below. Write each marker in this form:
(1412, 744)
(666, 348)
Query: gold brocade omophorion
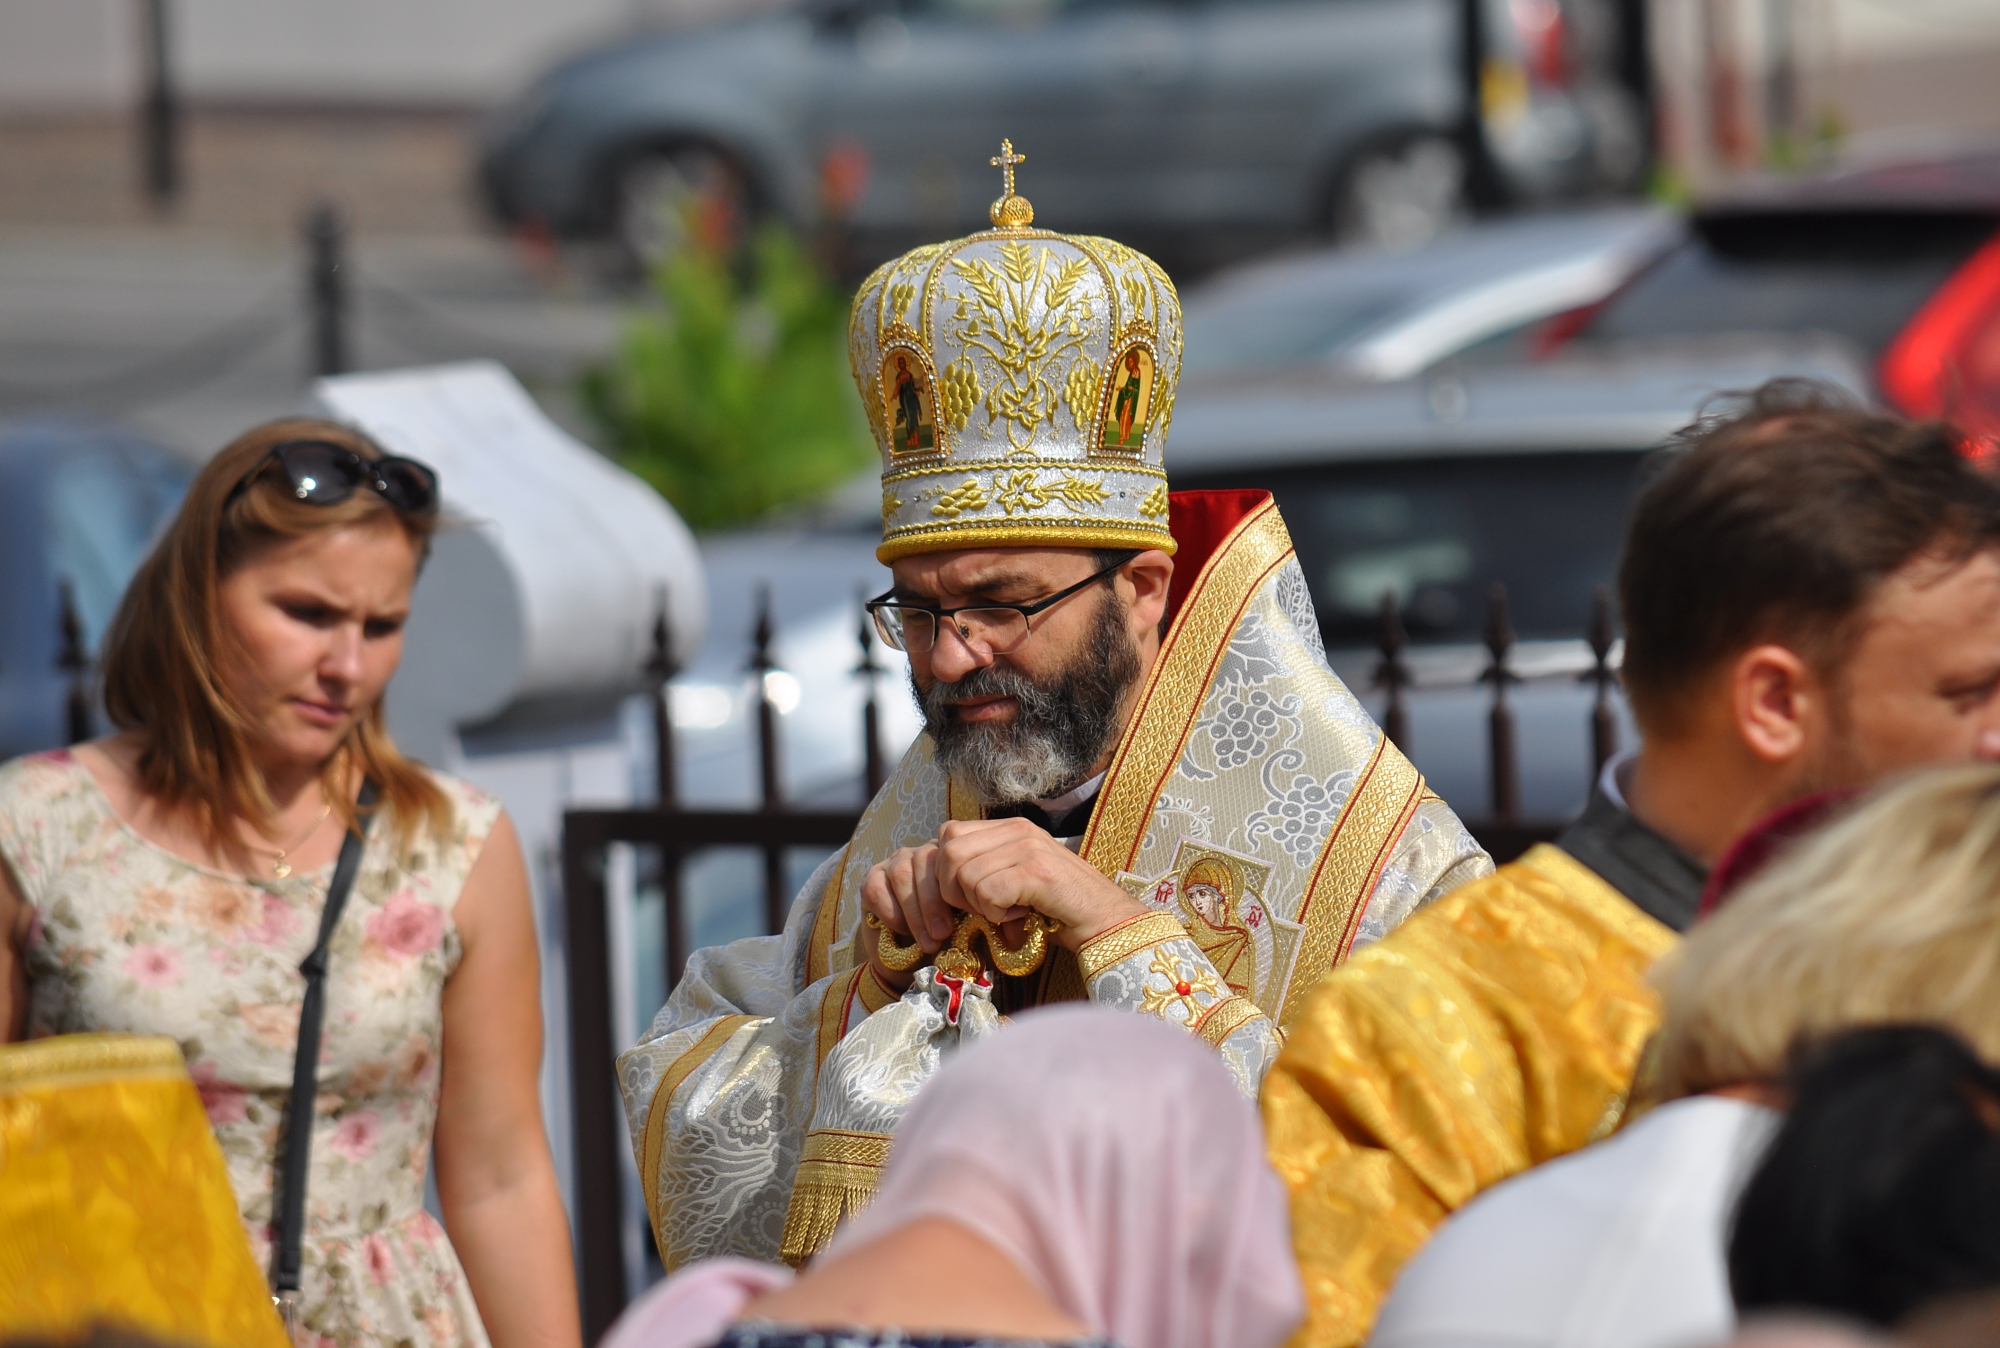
(1495, 1030)
(115, 1204)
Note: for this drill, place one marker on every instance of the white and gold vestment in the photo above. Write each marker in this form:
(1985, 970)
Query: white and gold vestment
(1020, 384)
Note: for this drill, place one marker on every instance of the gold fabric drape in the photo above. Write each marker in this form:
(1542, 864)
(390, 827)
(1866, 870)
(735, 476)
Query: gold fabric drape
(115, 1205)
(1494, 1030)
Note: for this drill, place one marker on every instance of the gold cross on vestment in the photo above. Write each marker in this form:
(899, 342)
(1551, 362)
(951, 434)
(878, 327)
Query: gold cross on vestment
(1005, 161)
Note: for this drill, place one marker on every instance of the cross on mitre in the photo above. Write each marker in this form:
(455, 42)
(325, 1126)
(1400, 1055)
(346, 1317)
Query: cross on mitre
(1005, 161)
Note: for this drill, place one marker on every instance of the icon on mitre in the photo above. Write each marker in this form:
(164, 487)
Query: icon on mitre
(907, 401)
(1131, 400)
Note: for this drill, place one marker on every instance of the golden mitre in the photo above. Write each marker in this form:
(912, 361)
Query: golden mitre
(1020, 384)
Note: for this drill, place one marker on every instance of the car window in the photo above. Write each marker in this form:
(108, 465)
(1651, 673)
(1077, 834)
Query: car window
(1853, 275)
(1439, 532)
(103, 516)
(1266, 331)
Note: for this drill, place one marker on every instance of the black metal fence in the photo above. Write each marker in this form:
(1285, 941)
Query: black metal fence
(772, 827)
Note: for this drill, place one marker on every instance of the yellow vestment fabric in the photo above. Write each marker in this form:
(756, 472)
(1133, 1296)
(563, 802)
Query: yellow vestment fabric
(1496, 1029)
(115, 1204)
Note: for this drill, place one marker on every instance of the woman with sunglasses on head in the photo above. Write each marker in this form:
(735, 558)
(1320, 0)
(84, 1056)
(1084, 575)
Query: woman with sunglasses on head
(171, 878)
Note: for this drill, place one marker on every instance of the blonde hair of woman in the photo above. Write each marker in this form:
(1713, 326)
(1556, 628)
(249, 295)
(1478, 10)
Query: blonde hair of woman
(1891, 914)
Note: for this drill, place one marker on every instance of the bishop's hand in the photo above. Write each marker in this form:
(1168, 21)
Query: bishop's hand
(1004, 869)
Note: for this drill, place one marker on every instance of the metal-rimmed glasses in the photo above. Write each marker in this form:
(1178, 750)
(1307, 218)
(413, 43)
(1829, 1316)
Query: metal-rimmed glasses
(320, 472)
(997, 627)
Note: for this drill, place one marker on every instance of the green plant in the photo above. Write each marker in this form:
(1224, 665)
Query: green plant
(733, 398)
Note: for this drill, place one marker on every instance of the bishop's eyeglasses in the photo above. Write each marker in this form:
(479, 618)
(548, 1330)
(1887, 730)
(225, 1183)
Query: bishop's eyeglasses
(997, 627)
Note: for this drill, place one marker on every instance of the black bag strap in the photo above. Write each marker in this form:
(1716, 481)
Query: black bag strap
(289, 1205)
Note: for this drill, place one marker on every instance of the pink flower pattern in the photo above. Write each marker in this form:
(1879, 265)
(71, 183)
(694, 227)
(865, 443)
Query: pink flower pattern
(154, 966)
(377, 1268)
(225, 1101)
(356, 1135)
(406, 925)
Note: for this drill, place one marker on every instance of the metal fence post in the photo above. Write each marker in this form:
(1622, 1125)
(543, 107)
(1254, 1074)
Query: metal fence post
(661, 668)
(326, 289)
(1393, 673)
(874, 770)
(73, 659)
(1603, 722)
(1500, 722)
(594, 1070)
(762, 665)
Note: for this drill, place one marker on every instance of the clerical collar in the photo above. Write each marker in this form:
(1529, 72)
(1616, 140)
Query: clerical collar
(1064, 817)
(1069, 800)
(1657, 874)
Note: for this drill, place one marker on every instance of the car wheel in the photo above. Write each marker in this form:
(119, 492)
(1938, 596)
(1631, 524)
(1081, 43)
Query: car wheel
(1402, 193)
(665, 199)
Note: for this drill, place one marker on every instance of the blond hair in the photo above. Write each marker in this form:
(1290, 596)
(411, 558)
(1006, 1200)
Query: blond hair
(162, 657)
(1892, 914)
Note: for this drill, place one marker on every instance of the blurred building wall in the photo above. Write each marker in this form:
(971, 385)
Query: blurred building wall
(1751, 85)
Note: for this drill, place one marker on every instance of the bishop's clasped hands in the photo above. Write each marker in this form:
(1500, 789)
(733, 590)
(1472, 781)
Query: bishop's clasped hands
(1003, 878)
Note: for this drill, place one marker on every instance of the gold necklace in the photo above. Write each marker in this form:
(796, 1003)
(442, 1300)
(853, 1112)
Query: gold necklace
(281, 867)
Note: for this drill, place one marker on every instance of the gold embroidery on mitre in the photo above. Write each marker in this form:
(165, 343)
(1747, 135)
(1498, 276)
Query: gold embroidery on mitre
(1025, 376)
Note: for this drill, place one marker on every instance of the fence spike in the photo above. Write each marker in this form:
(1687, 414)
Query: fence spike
(1393, 673)
(1500, 721)
(762, 665)
(1603, 721)
(874, 771)
(73, 659)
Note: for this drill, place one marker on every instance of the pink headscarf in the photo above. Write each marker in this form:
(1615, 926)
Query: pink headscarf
(1110, 1156)
(1107, 1154)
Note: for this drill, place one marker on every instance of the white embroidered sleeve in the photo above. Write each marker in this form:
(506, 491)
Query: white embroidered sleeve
(1435, 855)
(718, 1092)
(1149, 965)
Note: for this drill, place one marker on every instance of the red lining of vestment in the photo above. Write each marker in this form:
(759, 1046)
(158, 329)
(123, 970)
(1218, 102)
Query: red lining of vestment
(1199, 521)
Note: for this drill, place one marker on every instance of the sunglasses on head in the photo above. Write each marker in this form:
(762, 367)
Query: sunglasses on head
(320, 472)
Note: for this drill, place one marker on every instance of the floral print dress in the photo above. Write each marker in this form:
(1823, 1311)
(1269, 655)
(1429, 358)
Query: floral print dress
(126, 936)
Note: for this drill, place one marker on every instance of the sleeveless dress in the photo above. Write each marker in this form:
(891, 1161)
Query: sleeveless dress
(125, 936)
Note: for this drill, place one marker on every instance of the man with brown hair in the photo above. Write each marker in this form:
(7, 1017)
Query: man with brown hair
(1811, 597)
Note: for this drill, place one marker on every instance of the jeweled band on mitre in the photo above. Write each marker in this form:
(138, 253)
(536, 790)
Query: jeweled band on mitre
(1020, 384)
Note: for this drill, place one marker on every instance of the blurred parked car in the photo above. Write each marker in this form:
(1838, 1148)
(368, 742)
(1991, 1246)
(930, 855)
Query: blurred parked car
(1378, 315)
(1433, 489)
(79, 507)
(1139, 118)
(1899, 263)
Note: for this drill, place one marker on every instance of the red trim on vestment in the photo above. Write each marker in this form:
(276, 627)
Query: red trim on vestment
(1199, 521)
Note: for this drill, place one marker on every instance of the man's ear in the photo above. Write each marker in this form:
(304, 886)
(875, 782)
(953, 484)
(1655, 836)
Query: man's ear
(1149, 574)
(1776, 699)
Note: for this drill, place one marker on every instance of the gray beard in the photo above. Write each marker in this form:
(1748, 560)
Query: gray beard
(1059, 730)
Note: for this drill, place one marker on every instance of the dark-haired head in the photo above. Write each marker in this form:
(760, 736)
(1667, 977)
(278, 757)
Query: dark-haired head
(1881, 1192)
(1775, 519)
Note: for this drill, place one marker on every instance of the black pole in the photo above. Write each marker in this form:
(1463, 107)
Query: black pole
(661, 667)
(761, 666)
(327, 288)
(1393, 673)
(73, 659)
(160, 113)
(593, 1069)
(874, 770)
(1500, 723)
(1603, 723)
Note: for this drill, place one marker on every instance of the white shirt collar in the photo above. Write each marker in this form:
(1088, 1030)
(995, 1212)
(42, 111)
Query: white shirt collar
(1069, 800)
(1617, 772)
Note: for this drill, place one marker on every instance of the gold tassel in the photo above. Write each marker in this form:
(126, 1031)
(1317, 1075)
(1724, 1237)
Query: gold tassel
(838, 1171)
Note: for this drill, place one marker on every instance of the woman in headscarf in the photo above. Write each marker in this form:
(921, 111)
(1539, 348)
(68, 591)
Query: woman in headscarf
(1084, 1176)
